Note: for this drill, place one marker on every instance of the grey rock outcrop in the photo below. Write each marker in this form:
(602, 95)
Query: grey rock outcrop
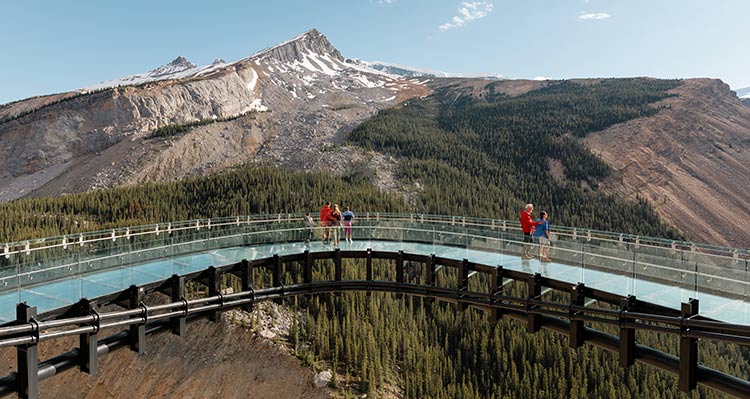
(288, 101)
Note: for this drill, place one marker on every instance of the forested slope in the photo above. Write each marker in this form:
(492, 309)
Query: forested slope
(489, 156)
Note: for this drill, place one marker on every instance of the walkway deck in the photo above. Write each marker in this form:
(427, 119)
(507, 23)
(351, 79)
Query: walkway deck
(59, 293)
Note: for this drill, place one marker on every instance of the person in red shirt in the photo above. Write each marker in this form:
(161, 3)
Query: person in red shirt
(325, 217)
(527, 226)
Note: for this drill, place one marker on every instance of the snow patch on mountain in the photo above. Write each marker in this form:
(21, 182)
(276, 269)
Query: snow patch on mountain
(411, 72)
(179, 68)
(743, 93)
(253, 80)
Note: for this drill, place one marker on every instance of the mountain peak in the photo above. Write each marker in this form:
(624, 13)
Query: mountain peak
(293, 49)
(179, 64)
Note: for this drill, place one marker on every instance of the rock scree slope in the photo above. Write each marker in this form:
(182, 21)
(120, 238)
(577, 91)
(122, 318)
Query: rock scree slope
(691, 161)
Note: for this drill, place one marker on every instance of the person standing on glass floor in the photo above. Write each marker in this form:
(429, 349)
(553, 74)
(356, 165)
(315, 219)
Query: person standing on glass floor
(348, 219)
(527, 227)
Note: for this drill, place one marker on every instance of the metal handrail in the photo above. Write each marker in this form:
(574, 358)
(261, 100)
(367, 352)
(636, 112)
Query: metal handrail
(30, 245)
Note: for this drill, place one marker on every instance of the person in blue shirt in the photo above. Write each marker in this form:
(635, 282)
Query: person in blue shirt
(348, 218)
(541, 235)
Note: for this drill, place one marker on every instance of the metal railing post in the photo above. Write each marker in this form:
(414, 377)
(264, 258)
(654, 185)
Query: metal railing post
(278, 269)
(368, 264)
(246, 282)
(27, 375)
(88, 342)
(177, 293)
(137, 334)
(576, 335)
(337, 264)
(688, 349)
(496, 288)
(463, 284)
(533, 321)
(399, 273)
(214, 289)
(368, 267)
(309, 263)
(627, 335)
(430, 269)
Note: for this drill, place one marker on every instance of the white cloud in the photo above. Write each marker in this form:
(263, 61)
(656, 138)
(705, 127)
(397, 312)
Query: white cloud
(469, 11)
(593, 16)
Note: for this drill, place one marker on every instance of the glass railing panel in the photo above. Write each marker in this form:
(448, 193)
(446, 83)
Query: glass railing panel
(418, 238)
(608, 267)
(104, 267)
(451, 241)
(484, 246)
(721, 286)
(664, 281)
(386, 231)
(227, 236)
(8, 273)
(48, 279)
(39, 266)
(9, 298)
(567, 252)
(190, 240)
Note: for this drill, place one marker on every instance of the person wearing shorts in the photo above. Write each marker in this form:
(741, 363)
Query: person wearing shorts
(347, 218)
(541, 235)
(334, 221)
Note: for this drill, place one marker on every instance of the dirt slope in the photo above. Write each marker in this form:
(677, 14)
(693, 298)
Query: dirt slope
(691, 161)
(213, 361)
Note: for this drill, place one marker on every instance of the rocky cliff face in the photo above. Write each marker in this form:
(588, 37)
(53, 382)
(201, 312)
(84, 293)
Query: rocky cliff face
(291, 102)
(691, 161)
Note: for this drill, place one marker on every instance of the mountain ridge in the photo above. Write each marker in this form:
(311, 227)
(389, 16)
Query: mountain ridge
(412, 72)
(300, 90)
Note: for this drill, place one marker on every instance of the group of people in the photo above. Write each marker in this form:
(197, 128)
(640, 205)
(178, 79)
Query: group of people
(331, 219)
(535, 231)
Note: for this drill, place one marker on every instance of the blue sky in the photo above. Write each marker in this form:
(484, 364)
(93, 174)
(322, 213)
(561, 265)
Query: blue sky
(52, 46)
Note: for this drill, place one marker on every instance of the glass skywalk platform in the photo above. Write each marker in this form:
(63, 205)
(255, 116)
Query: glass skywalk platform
(55, 272)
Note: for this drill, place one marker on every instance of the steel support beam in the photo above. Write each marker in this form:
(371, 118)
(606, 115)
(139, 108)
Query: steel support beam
(179, 323)
(400, 273)
(27, 376)
(246, 281)
(368, 267)
(533, 321)
(463, 284)
(338, 271)
(430, 280)
(627, 335)
(496, 288)
(309, 264)
(214, 289)
(278, 270)
(576, 335)
(688, 349)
